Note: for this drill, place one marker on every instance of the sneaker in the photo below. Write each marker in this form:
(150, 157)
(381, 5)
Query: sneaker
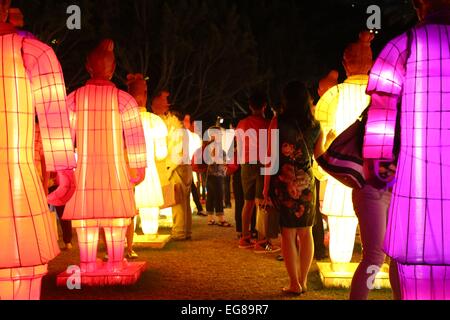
(266, 247)
(67, 247)
(132, 255)
(279, 257)
(246, 243)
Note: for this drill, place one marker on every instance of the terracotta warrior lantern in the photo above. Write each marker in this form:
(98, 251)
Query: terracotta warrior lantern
(32, 84)
(148, 194)
(339, 108)
(104, 120)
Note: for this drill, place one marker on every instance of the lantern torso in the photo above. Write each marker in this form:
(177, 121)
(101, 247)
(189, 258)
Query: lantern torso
(30, 81)
(102, 114)
(419, 219)
(148, 193)
(337, 110)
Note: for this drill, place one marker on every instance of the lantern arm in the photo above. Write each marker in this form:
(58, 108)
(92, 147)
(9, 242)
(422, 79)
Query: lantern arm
(326, 109)
(160, 138)
(49, 92)
(71, 105)
(385, 87)
(380, 128)
(133, 131)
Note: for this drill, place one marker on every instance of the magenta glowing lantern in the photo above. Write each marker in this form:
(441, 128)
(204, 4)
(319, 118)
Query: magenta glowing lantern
(414, 69)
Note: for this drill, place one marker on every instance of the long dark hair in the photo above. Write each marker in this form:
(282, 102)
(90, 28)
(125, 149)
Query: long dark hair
(297, 104)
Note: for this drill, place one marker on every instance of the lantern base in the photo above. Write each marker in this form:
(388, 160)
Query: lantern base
(104, 274)
(340, 275)
(158, 241)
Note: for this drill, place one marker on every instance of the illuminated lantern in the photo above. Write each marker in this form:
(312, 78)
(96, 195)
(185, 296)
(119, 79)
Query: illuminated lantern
(148, 194)
(103, 120)
(414, 68)
(31, 83)
(339, 108)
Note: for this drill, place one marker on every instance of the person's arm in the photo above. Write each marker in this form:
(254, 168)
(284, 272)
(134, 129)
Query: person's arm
(267, 178)
(319, 148)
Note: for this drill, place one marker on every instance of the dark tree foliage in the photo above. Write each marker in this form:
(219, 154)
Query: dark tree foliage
(211, 54)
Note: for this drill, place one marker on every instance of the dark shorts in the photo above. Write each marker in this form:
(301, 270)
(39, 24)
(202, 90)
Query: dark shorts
(252, 181)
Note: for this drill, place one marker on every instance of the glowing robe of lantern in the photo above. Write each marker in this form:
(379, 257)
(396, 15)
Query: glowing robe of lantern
(418, 219)
(415, 67)
(103, 117)
(31, 82)
(149, 193)
(338, 109)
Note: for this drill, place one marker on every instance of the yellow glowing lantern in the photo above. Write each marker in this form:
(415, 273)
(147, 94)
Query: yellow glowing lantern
(339, 108)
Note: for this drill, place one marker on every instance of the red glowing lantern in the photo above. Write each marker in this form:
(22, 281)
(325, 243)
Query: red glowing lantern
(31, 83)
(103, 120)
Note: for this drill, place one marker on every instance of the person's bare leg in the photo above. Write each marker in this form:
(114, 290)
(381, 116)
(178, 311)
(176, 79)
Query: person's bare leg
(130, 236)
(290, 254)
(306, 255)
(247, 212)
(395, 280)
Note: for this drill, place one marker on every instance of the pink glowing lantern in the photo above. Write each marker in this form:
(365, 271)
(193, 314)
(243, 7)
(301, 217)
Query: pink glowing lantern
(339, 108)
(103, 120)
(414, 69)
(148, 194)
(31, 83)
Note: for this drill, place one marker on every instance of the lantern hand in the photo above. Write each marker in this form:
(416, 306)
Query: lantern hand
(140, 176)
(66, 188)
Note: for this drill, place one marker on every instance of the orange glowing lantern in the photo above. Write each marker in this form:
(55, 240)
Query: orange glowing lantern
(103, 120)
(31, 83)
(338, 108)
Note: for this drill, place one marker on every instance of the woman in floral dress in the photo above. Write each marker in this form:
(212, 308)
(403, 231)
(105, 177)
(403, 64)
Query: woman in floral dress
(292, 190)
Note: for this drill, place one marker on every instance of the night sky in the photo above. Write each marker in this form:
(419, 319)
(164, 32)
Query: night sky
(212, 54)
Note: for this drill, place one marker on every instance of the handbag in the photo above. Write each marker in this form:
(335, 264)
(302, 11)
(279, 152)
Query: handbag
(268, 221)
(343, 160)
(172, 194)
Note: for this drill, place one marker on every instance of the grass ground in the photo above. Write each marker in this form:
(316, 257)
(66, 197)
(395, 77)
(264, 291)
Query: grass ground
(210, 267)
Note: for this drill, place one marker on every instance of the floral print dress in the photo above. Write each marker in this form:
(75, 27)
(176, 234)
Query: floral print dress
(293, 189)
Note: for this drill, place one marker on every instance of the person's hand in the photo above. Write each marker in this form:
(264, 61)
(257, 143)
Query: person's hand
(331, 136)
(66, 189)
(385, 171)
(267, 201)
(140, 176)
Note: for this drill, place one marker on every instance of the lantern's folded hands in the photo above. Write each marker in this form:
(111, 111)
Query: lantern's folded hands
(140, 177)
(66, 188)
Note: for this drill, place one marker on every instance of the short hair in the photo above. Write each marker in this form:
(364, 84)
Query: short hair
(257, 100)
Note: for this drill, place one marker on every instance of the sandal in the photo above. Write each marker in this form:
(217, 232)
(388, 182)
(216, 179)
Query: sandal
(224, 224)
(211, 223)
(290, 292)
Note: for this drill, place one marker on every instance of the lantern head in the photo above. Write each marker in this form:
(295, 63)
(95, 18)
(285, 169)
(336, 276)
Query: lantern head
(160, 104)
(328, 82)
(16, 17)
(358, 57)
(426, 7)
(4, 10)
(187, 122)
(137, 87)
(101, 62)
